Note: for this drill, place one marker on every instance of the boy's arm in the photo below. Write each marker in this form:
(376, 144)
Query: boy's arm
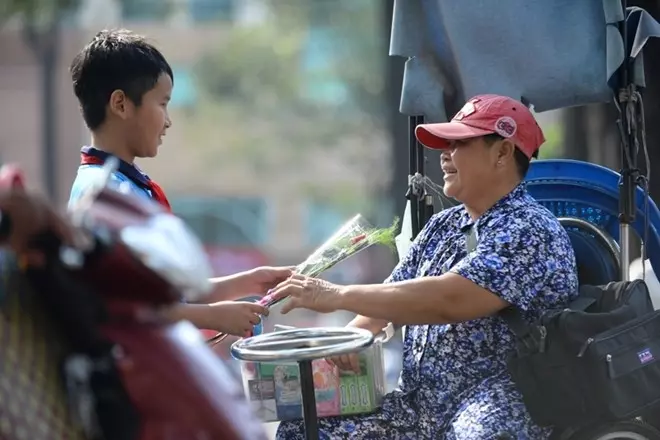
(232, 317)
(223, 289)
(253, 282)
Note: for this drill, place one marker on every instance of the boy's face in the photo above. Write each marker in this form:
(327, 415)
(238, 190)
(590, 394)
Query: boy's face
(149, 121)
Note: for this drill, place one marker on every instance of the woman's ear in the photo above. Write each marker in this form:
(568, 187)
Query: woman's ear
(505, 151)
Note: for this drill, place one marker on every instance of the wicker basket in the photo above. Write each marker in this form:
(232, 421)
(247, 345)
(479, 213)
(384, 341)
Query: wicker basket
(33, 403)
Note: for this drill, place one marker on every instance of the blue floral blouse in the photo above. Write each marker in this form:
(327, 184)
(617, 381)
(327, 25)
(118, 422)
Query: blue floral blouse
(454, 383)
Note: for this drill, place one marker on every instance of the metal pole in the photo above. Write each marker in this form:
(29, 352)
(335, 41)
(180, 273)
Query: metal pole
(307, 392)
(411, 194)
(422, 200)
(49, 57)
(44, 43)
(629, 172)
(397, 123)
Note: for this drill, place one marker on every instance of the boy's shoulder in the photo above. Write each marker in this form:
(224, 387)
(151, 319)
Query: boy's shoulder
(88, 175)
(93, 171)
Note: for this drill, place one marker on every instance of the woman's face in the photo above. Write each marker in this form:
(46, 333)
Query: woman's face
(469, 168)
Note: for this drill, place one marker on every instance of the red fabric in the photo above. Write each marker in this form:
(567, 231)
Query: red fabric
(11, 177)
(486, 114)
(157, 192)
(159, 195)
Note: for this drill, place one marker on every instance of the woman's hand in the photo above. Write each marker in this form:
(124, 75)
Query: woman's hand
(308, 293)
(346, 362)
(320, 296)
(350, 362)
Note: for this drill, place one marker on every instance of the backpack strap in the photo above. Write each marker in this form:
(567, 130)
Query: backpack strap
(510, 315)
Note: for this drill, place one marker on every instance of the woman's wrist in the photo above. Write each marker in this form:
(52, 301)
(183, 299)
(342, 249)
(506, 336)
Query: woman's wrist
(375, 326)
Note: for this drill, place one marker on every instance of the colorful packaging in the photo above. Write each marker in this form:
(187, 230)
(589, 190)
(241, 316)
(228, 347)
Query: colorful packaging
(261, 394)
(350, 385)
(326, 387)
(288, 399)
(365, 387)
(274, 388)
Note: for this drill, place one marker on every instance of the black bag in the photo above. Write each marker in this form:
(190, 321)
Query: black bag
(590, 364)
(595, 361)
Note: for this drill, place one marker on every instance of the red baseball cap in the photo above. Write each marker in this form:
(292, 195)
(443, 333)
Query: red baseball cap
(483, 115)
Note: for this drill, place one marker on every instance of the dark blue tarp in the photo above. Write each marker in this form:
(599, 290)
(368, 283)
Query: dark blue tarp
(550, 53)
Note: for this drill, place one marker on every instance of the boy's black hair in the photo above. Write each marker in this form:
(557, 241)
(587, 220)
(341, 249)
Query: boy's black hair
(522, 162)
(115, 60)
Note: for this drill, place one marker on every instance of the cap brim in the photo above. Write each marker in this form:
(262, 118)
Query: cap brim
(437, 136)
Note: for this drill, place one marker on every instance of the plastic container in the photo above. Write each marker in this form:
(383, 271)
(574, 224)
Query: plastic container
(273, 389)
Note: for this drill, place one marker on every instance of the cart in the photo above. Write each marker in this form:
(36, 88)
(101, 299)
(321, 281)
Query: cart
(303, 346)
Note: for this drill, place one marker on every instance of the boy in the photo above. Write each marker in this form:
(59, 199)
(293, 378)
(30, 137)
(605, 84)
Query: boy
(123, 85)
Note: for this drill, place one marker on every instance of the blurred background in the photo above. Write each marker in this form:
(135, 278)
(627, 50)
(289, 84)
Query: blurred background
(285, 117)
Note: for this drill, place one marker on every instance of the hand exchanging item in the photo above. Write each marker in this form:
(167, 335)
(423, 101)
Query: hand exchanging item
(320, 296)
(252, 282)
(232, 317)
(235, 317)
(308, 293)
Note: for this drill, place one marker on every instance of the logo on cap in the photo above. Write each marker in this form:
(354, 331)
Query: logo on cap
(505, 126)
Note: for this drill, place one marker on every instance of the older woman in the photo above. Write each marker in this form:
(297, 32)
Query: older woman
(454, 383)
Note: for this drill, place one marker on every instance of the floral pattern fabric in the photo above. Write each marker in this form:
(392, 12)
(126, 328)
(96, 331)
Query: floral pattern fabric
(454, 383)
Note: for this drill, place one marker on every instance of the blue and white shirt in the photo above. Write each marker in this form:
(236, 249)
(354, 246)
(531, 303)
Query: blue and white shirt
(128, 179)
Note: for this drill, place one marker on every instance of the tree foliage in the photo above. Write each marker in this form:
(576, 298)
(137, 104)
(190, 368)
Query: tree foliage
(254, 65)
(35, 13)
(316, 41)
(152, 9)
(303, 88)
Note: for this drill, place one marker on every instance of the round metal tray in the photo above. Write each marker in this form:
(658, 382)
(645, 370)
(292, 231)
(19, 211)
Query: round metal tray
(302, 344)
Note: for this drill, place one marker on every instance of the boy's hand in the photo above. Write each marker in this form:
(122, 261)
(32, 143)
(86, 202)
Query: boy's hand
(233, 317)
(260, 280)
(252, 282)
